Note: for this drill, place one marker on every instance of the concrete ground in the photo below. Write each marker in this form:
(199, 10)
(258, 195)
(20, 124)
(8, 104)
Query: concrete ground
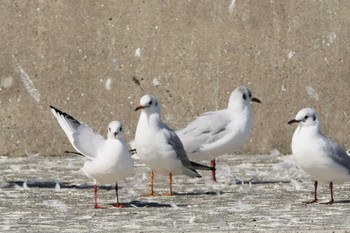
(253, 193)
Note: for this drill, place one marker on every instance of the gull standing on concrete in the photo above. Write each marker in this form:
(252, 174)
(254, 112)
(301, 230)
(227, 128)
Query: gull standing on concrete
(220, 132)
(109, 160)
(323, 159)
(159, 147)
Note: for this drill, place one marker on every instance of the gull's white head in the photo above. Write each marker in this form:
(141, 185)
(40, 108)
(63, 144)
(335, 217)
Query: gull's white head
(306, 117)
(115, 130)
(149, 104)
(242, 95)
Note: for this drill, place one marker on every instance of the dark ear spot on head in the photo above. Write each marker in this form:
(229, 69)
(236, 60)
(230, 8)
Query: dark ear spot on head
(156, 103)
(244, 97)
(314, 117)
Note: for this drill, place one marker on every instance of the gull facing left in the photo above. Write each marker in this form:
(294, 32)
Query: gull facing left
(323, 159)
(159, 147)
(109, 160)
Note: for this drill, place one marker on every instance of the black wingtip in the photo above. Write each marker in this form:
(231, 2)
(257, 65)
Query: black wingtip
(57, 110)
(66, 115)
(202, 167)
(133, 151)
(73, 152)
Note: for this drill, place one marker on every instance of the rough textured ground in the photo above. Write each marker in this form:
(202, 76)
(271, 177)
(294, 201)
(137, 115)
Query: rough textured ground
(95, 59)
(46, 194)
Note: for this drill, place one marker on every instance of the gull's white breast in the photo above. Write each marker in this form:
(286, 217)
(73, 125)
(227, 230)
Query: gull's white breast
(112, 164)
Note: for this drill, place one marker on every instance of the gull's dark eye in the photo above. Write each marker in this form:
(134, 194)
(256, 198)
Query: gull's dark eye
(244, 97)
(150, 102)
(250, 95)
(120, 129)
(306, 117)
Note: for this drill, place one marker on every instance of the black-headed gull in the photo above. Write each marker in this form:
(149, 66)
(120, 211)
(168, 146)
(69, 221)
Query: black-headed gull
(220, 132)
(109, 160)
(323, 159)
(159, 147)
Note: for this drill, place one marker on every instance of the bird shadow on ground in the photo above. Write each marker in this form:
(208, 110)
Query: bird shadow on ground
(53, 185)
(143, 204)
(68, 185)
(342, 201)
(256, 182)
(198, 193)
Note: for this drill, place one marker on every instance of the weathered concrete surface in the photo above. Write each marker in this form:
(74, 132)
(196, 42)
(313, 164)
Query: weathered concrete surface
(95, 59)
(46, 194)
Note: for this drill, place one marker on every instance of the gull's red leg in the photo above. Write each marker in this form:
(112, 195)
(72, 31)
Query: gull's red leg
(118, 205)
(97, 206)
(213, 173)
(315, 194)
(331, 201)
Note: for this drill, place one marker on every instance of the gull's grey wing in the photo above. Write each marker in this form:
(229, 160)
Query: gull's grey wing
(87, 141)
(208, 128)
(338, 154)
(176, 144)
(82, 137)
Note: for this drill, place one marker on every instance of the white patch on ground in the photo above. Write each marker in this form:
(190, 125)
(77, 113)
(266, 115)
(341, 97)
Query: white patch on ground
(275, 152)
(232, 6)
(25, 186)
(138, 53)
(28, 83)
(174, 206)
(311, 92)
(290, 54)
(132, 225)
(108, 84)
(16, 168)
(31, 154)
(175, 223)
(156, 82)
(192, 219)
(240, 207)
(296, 184)
(57, 186)
(288, 169)
(57, 204)
(6, 225)
(85, 217)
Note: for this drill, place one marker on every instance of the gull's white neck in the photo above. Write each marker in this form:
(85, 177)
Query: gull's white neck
(307, 130)
(235, 105)
(149, 120)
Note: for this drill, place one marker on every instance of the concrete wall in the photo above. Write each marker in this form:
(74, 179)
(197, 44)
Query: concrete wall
(95, 59)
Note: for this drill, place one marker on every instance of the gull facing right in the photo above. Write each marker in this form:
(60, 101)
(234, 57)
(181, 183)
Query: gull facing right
(323, 159)
(220, 132)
